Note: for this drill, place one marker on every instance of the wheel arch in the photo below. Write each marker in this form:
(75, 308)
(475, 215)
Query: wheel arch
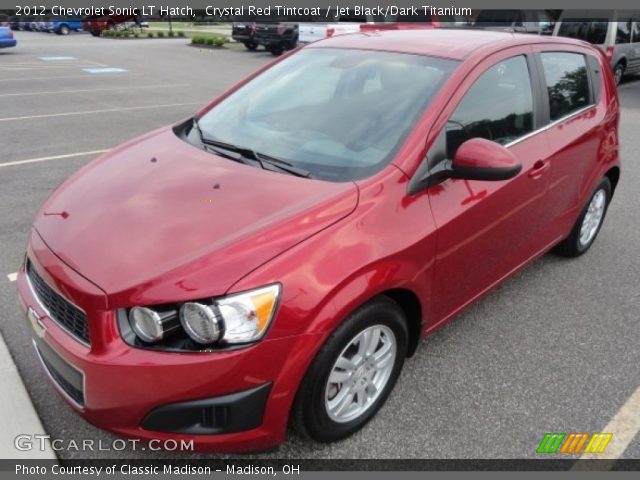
(409, 302)
(613, 174)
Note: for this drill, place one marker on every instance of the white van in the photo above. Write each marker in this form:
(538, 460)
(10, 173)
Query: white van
(616, 32)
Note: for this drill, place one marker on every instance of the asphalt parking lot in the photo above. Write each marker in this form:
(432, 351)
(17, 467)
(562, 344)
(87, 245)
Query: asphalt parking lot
(554, 349)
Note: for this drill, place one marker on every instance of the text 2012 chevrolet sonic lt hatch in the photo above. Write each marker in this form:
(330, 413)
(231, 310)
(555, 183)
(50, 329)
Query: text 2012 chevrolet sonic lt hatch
(274, 259)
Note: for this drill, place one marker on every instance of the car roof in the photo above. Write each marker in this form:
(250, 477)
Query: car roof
(453, 43)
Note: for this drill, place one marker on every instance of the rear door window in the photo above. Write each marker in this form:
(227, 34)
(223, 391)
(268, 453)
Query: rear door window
(567, 82)
(589, 30)
(635, 38)
(623, 33)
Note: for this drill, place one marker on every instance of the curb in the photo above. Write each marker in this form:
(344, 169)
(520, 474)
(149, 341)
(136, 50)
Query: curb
(19, 417)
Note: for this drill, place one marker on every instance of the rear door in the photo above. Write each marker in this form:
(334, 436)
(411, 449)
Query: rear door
(486, 229)
(624, 51)
(573, 81)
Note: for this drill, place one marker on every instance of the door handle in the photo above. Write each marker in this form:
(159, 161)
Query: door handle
(539, 168)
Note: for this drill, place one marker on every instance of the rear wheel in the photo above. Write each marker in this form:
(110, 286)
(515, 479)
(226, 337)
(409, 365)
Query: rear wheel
(63, 30)
(95, 33)
(251, 46)
(354, 372)
(589, 222)
(618, 72)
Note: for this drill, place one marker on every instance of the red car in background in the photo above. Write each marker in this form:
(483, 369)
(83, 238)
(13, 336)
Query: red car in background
(273, 260)
(95, 25)
(416, 22)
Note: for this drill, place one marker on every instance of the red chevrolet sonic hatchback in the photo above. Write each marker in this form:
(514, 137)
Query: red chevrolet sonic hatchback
(275, 258)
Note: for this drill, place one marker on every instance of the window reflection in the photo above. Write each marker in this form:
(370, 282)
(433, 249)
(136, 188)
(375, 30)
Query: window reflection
(567, 82)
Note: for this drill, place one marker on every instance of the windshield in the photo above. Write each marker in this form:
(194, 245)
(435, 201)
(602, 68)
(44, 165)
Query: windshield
(338, 114)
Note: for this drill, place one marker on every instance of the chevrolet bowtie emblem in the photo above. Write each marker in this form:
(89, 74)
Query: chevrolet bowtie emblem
(36, 322)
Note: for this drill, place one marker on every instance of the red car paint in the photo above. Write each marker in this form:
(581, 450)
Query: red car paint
(133, 229)
(96, 24)
(417, 25)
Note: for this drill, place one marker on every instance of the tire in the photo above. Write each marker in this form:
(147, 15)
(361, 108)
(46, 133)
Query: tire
(95, 33)
(316, 414)
(582, 236)
(276, 50)
(618, 72)
(292, 44)
(251, 46)
(63, 30)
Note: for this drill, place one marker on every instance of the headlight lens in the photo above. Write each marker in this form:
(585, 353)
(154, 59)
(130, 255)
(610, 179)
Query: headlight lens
(200, 322)
(152, 326)
(247, 315)
(235, 319)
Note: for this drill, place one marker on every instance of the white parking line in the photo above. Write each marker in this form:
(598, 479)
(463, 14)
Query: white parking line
(105, 110)
(92, 90)
(45, 65)
(625, 425)
(56, 59)
(54, 157)
(12, 276)
(22, 79)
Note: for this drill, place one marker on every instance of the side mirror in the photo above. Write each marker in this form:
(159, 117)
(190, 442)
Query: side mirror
(481, 159)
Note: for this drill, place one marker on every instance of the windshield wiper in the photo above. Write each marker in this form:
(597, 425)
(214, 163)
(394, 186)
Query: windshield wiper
(218, 147)
(250, 154)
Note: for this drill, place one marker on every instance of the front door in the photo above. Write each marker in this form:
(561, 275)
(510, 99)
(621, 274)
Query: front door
(488, 228)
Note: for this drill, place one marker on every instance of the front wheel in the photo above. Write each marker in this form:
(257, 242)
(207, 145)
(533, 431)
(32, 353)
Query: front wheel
(354, 372)
(64, 30)
(589, 222)
(618, 73)
(293, 43)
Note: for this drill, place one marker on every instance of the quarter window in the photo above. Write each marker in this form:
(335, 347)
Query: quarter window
(498, 107)
(623, 34)
(567, 82)
(636, 32)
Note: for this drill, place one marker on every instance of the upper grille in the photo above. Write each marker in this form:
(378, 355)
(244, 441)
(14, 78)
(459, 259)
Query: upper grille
(60, 310)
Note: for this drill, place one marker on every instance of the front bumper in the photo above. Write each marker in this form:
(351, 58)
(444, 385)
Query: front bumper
(129, 391)
(243, 37)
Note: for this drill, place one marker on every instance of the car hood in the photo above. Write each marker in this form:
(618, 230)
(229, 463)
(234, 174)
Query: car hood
(159, 220)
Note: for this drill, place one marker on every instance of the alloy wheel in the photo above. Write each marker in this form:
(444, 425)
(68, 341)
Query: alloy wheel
(360, 373)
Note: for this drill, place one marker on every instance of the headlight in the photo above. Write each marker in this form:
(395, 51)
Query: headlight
(246, 316)
(152, 326)
(235, 319)
(200, 322)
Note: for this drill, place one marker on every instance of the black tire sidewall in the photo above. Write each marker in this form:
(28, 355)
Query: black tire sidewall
(315, 421)
(605, 185)
(617, 78)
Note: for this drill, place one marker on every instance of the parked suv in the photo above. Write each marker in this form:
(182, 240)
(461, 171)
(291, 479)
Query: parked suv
(276, 36)
(615, 32)
(243, 30)
(274, 260)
